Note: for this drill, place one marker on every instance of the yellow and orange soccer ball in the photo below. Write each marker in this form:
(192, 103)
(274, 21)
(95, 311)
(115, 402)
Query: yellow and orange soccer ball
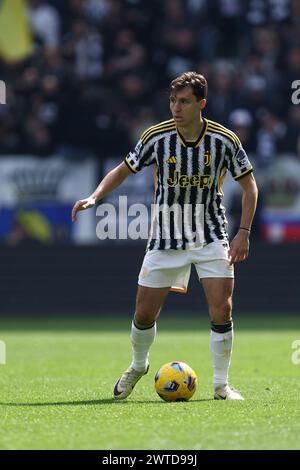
(175, 381)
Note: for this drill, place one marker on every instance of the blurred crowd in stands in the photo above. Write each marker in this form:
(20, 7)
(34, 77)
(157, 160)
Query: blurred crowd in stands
(100, 70)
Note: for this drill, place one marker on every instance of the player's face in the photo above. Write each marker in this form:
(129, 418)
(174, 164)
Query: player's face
(185, 107)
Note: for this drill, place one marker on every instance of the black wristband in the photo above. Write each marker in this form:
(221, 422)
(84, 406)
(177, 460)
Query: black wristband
(243, 228)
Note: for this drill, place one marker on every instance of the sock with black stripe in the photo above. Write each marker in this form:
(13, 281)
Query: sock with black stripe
(221, 339)
(141, 342)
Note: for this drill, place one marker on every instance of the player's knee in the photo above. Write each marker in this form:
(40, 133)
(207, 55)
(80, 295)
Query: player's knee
(221, 313)
(145, 314)
(144, 319)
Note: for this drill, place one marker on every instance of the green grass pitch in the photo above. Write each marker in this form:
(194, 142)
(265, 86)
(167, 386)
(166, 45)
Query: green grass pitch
(56, 387)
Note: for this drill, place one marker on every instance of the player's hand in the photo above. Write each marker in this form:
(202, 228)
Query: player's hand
(81, 205)
(239, 247)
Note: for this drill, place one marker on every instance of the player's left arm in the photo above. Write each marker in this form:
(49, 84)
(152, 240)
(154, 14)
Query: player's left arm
(239, 247)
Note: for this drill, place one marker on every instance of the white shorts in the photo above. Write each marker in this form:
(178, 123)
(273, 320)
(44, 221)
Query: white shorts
(172, 268)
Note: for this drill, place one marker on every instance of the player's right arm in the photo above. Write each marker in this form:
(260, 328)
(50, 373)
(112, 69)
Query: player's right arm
(111, 181)
(142, 155)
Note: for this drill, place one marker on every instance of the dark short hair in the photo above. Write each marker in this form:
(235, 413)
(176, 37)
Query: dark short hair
(194, 80)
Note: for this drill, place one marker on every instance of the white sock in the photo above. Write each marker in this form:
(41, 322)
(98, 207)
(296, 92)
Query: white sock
(220, 348)
(141, 342)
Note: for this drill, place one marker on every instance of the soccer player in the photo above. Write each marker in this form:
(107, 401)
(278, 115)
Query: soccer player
(191, 155)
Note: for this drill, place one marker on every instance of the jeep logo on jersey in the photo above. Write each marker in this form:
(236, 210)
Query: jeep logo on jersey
(202, 181)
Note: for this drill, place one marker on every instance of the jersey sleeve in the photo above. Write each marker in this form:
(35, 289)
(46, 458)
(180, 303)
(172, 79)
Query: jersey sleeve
(238, 162)
(142, 155)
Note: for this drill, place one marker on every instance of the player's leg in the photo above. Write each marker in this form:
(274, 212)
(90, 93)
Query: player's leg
(161, 269)
(218, 292)
(217, 277)
(149, 302)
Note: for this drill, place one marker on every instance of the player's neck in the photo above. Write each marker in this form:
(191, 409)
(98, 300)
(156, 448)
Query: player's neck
(192, 132)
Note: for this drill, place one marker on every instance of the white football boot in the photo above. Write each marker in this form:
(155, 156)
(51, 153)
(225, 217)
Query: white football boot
(127, 381)
(224, 392)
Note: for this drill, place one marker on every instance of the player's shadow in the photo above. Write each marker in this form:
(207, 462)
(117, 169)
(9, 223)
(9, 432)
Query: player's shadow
(107, 401)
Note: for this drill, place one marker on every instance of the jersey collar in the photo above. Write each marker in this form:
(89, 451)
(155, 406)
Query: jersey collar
(195, 143)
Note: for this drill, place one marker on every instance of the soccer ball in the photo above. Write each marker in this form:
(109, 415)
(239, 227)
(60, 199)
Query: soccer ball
(175, 381)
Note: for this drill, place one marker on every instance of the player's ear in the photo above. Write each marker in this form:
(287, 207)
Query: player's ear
(202, 103)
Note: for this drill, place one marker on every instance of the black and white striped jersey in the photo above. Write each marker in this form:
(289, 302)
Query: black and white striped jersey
(188, 180)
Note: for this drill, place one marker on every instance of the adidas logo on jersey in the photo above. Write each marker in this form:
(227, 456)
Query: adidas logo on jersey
(171, 160)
